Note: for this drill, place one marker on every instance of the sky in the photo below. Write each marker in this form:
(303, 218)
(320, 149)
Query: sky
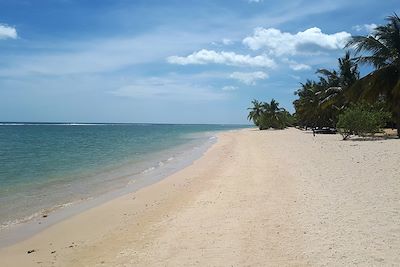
(167, 61)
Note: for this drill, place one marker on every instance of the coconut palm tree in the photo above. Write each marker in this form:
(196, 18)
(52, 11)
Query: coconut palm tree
(307, 106)
(273, 116)
(383, 52)
(338, 83)
(255, 112)
(269, 115)
(272, 109)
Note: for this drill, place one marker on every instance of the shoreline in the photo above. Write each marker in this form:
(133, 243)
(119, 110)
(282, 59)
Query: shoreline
(181, 157)
(254, 197)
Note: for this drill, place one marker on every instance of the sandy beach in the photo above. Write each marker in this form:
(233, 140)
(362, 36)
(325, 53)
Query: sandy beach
(256, 198)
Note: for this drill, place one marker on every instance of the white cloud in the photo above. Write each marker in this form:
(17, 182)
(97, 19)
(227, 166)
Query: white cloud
(249, 78)
(296, 66)
(229, 88)
(284, 43)
(365, 27)
(299, 66)
(7, 32)
(227, 58)
(254, 1)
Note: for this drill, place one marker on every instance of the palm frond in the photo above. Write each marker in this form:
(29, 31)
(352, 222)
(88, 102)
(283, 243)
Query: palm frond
(380, 54)
(378, 82)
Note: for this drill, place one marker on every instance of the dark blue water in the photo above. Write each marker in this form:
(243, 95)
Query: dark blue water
(47, 165)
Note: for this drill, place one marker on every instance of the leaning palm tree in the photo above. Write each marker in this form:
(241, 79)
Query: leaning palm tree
(255, 112)
(383, 52)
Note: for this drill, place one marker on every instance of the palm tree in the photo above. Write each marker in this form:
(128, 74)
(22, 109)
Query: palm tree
(307, 106)
(383, 48)
(273, 116)
(255, 112)
(338, 83)
(272, 109)
(269, 115)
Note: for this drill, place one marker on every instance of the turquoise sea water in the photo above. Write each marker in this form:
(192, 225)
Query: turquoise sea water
(47, 166)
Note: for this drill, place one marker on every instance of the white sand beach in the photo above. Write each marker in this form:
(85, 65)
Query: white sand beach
(256, 198)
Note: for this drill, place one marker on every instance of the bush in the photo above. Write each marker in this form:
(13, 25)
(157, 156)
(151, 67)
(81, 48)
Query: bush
(361, 119)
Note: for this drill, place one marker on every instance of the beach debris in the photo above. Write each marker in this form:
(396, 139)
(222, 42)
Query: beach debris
(53, 252)
(44, 216)
(31, 251)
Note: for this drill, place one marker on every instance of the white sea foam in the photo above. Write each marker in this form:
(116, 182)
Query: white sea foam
(149, 170)
(39, 214)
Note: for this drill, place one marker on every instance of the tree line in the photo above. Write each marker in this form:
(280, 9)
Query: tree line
(326, 101)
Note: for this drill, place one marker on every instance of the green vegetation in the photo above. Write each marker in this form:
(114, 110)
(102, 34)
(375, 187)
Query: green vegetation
(383, 48)
(330, 101)
(334, 99)
(321, 102)
(269, 115)
(361, 119)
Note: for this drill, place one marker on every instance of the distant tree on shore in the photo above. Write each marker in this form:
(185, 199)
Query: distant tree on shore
(255, 112)
(269, 115)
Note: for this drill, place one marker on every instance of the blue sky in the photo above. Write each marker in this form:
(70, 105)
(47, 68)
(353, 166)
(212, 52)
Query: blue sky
(167, 61)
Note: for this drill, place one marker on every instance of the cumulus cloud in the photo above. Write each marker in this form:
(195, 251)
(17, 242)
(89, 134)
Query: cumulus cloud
(229, 88)
(249, 78)
(365, 27)
(284, 43)
(296, 66)
(7, 32)
(226, 58)
(299, 66)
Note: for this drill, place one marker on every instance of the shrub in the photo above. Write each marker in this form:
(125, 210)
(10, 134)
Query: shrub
(361, 119)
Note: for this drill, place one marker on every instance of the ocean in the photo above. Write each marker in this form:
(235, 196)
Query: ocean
(45, 167)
